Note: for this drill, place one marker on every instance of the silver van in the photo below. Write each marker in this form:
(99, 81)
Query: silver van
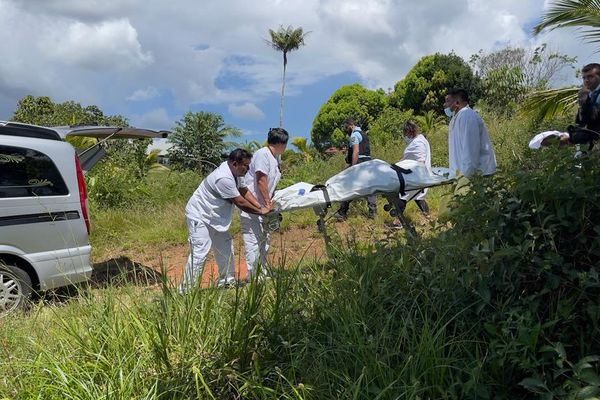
(44, 218)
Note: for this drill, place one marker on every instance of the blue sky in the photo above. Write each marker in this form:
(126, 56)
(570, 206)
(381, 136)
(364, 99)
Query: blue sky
(153, 60)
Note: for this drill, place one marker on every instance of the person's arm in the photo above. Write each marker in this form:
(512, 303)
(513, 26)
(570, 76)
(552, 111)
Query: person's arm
(355, 151)
(588, 112)
(262, 184)
(244, 202)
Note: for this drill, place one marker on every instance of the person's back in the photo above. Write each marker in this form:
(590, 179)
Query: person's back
(470, 149)
(211, 202)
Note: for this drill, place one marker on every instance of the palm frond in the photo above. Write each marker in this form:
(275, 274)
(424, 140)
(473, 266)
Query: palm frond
(573, 13)
(549, 103)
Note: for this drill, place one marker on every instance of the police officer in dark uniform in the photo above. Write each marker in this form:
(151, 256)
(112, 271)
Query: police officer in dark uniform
(358, 151)
(588, 115)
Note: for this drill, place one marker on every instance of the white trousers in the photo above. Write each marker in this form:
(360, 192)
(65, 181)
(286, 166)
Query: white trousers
(202, 238)
(256, 241)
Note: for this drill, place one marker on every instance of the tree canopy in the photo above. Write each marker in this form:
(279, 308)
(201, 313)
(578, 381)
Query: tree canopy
(199, 141)
(426, 84)
(43, 111)
(350, 101)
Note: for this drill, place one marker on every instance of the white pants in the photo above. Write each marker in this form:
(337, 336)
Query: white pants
(256, 241)
(202, 238)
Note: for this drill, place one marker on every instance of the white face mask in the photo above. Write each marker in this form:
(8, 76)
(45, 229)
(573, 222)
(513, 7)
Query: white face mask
(449, 112)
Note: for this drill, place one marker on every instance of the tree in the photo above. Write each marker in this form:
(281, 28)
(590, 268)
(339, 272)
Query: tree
(285, 40)
(426, 84)
(350, 101)
(43, 111)
(510, 74)
(562, 14)
(388, 125)
(430, 122)
(573, 13)
(302, 145)
(199, 141)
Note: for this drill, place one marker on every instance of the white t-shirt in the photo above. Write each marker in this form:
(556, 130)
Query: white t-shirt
(469, 147)
(263, 161)
(211, 202)
(418, 150)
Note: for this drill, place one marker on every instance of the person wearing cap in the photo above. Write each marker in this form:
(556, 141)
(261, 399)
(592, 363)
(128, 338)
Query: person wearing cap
(262, 178)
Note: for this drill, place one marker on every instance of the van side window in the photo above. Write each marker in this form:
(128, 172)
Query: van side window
(26, 172)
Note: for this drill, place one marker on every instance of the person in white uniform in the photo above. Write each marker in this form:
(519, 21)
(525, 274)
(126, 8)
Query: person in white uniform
(262, 179)
(470, 150)
(417, 149)
(208, 216)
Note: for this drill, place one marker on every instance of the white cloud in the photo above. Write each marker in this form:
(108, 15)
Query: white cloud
(247, 111)
(144, 94)
(110, 44)
(106, 52)
(157, 119)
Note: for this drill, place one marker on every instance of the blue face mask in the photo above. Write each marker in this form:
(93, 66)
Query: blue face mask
(408, 140)
(449, 112)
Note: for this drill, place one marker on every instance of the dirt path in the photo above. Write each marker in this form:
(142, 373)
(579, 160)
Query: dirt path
(293, 245)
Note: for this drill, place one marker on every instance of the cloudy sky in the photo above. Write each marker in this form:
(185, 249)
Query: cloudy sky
(153, 60)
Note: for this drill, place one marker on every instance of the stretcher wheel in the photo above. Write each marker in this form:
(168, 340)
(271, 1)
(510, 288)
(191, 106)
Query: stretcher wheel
(320, 225)
(387, 207)
(393, 213)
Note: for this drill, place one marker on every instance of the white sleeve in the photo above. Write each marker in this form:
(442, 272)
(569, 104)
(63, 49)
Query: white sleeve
(227, 188)
(261, 164)
(416, 151)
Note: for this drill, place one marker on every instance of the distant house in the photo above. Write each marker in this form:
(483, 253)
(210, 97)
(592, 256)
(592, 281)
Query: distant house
(163, 146)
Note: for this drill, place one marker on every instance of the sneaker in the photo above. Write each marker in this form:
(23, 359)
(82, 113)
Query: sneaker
(393, 225)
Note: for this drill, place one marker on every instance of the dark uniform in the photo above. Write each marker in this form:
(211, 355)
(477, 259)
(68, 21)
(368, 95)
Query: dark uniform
(364, 154)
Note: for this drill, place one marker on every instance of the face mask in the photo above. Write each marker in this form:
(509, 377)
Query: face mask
(449, 112)
(407, 139)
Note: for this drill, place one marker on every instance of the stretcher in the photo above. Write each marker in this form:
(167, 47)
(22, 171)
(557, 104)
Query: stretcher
(374, 177)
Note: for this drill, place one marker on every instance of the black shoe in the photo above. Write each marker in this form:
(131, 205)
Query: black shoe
(338, 216)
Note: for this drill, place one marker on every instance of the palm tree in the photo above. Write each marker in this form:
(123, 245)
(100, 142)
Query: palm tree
(562, 14)
(285, 40)
(430, 121)
(302, 145)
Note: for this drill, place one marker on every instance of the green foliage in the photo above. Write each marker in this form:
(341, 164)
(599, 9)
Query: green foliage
(43, 111)
(510, 74)
(532, 237)
(572, 13)
(351, 101)
(426, 84)
(388, 126)
(199, 141)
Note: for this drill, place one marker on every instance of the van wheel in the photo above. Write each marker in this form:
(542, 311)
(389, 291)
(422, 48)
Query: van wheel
(15, 288)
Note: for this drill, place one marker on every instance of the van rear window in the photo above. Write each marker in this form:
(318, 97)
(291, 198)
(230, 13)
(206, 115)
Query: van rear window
(26, 172)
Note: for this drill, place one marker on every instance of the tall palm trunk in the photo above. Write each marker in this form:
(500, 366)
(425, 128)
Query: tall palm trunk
(282, 90)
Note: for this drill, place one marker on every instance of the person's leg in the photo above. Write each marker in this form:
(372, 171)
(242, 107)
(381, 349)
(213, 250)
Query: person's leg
(342, 212)
(422, 204)
(251, 234)
(222, 246)
(372, 205)
(200, 242)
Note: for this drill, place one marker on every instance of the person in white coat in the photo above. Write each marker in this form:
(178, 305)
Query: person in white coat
(262, 179)
(470, 150)
(208, 216)
(417, 149)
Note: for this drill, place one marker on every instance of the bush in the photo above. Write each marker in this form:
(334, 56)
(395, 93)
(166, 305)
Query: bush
(530, 239)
